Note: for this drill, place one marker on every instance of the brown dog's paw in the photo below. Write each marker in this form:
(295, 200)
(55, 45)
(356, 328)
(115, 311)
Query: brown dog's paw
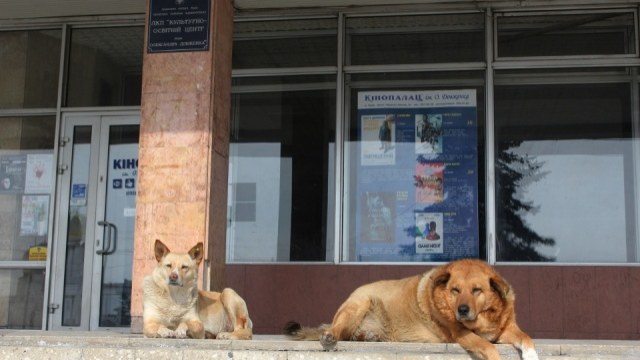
(328, 341)
(225, 336)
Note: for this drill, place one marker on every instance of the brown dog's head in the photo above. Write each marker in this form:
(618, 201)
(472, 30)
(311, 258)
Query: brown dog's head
(469, 288)
(178, 269)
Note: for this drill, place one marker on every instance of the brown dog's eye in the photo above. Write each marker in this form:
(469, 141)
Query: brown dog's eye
(455, 291)
(477, 291)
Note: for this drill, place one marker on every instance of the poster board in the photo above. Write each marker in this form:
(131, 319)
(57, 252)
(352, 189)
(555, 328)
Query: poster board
(417, 176)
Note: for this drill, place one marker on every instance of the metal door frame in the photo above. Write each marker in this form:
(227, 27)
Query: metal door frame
(92, 267)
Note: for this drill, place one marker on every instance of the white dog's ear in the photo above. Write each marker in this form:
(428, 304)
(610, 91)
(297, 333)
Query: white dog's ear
(197, 252)
(160, 250)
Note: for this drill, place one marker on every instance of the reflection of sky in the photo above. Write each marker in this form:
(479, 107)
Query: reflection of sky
(581, 200)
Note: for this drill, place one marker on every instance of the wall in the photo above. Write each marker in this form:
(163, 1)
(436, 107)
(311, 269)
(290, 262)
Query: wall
(553, 302)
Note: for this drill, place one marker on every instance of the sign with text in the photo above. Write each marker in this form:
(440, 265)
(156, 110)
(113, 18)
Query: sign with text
(178, 25)
(417, 176)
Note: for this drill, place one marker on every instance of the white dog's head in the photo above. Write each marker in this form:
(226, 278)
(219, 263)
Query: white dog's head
(178, 269)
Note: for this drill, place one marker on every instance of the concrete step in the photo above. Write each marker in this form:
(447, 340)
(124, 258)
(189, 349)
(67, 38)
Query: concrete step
(40, 345)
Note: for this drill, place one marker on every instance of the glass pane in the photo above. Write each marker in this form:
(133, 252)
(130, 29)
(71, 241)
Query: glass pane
(29, 68)
(105, 66)
(115, 296)
(26, 175)
(291, 43)
(566, 34)
(415, 39)
(282, 176)
(77, 222)
(565, 173)
(21, 299)
(414, 170)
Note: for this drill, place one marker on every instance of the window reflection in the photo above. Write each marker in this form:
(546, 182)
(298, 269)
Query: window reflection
(22, 298)
(29, 65)
(290, 43)
(26, 185)
(564, 166)
(281, 176)
(566, 34)
(415, 39)
(105, 66)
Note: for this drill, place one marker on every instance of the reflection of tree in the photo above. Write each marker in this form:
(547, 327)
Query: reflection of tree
(516, 241)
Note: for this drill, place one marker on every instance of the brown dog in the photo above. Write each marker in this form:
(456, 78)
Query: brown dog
(465, 301)
(175, 308)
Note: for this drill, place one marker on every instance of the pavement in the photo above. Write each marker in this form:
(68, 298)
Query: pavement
(40, 345)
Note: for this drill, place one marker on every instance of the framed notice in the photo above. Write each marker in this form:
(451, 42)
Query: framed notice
(178, 25)
(417, 176)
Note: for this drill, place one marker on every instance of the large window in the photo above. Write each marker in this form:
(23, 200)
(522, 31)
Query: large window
(566, 34)
(426, 163)
(105, 66)
(282, 147)
(29, 64)
(282, 173)
(285, 43)
(565, 173)
(26, 191)
(415, 39)
(566, 179)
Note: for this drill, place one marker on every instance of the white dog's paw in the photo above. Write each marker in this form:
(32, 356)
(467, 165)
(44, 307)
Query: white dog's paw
(166, 333)
(529, 354)
(181, 333)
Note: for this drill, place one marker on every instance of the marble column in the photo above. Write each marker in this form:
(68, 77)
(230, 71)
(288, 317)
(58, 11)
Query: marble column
(183, 158)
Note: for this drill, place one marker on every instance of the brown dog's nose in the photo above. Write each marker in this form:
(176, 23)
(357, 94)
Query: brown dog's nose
(463, 310)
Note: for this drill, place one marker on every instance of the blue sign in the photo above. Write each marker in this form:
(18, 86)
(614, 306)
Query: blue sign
(79, 191)
(417, 176)
(178, 25)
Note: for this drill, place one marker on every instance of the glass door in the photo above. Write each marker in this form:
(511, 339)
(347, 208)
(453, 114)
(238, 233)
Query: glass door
(92, 265)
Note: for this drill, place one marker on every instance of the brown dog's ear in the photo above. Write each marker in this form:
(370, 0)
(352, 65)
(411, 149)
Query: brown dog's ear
(160, 250)
(440, 277)
(197, 252)
(500, 285)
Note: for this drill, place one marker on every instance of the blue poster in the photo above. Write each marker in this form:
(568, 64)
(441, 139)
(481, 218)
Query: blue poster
(417, 176)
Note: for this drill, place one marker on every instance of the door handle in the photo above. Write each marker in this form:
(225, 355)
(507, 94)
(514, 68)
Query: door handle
(111, 238)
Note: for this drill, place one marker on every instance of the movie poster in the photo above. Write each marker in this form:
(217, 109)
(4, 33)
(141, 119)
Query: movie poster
(428, 233)
(377, 145)
(417, 176)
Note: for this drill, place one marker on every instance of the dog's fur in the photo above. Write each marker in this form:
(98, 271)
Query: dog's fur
(175, 308)
(465, 301)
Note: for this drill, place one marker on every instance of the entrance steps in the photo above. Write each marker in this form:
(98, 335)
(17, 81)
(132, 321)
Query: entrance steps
(40, 345)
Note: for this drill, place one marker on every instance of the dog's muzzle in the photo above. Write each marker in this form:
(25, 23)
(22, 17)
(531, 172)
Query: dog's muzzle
(463, 313)
(174, 279)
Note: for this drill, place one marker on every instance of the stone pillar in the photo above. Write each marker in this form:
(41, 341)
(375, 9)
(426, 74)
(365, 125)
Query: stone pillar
(183, 157)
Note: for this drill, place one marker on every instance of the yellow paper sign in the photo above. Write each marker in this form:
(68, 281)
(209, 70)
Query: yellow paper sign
(38, 253)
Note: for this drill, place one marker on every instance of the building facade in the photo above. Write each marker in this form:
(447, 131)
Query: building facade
(316, 148)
